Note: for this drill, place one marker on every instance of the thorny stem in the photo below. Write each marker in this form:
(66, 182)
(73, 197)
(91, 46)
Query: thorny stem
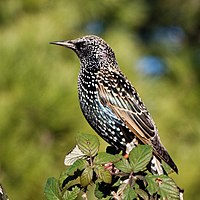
(130, 178)
(91, 163)
(89, 159)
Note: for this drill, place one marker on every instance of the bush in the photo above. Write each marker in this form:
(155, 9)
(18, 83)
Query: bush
(114, 176)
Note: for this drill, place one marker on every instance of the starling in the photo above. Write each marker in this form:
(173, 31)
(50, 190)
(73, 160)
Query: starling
(110, 103)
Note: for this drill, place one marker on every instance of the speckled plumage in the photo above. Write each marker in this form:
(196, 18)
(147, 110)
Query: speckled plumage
(109, 102)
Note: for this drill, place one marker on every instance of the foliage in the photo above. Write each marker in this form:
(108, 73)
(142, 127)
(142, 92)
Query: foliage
(114, 176)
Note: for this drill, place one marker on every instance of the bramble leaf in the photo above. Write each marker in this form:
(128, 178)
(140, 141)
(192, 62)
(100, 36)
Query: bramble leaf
(152, 186)
(117, 183)
(103, 158)
(71, 195)
(129, 193)
(88, 144)
(78, 165)
(98, 192)
(123, 165)
(102, 191)
(167, 168)
(139, 157)
(121, 189)
(70, 174)
(142, 194)
(163, 185)
(86, 176)
(168, 188)
(52, 191)
(103, 174)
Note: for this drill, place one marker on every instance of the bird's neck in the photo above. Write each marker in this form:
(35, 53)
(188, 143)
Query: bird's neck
(87, 80)
(96, 62)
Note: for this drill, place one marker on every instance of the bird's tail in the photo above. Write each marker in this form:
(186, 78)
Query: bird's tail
(161, 152)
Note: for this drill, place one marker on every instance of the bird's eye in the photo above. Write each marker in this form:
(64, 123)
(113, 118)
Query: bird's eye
(80, 45)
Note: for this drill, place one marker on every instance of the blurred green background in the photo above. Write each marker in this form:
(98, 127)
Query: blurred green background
(157, 47)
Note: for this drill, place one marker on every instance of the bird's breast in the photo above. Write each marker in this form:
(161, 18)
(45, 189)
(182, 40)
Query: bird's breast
(100, 117)
(87, 90)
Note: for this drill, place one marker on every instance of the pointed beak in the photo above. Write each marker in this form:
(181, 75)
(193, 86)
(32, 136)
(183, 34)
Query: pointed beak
(67, 43)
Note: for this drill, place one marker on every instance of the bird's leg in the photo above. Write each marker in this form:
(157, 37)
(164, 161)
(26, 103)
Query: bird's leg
(130, 146)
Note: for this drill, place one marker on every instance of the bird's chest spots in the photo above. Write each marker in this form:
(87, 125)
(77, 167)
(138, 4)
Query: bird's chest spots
(89, 99)
(87, 88)
(87, 82)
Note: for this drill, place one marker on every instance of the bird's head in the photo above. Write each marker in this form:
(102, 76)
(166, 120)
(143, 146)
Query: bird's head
(90, 49)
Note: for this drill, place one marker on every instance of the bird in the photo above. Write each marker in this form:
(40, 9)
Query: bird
(111, 104)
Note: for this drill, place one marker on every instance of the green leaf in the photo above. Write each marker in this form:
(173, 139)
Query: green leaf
(142, 194)
(86, 176)
(167, 168)
(78, 165)
(121, 189)
(117, 183)
(98, 191)
(167, 187)
(123, 165)
(102, 191)
(52, 191)
(139, 157)
(62, 178)
(70, 174)
(163, 185)
(103, 158)
(129, 193)
(88, 144)
(71, 195)
(152, 186)
(103, 174)
(73, 156)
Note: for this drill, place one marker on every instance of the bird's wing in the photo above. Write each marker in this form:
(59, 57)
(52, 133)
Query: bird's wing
(117, 93)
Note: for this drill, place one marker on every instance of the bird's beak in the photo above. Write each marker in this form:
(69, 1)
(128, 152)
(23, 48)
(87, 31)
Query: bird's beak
(67, 43)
